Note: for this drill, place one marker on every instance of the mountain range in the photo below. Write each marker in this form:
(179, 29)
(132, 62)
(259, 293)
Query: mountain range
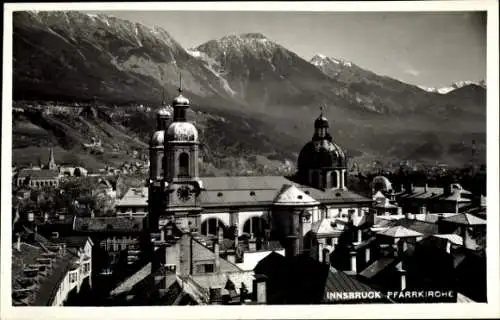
(454, 86)
(267, 89)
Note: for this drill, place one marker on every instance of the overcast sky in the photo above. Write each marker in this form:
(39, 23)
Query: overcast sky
(430, 49)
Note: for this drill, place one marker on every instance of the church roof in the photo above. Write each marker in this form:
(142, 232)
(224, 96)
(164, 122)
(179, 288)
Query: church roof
(254, 191)
(465, 219)
(290, 195)
(38, 174)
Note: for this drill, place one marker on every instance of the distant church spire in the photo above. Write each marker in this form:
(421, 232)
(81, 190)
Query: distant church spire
(180, 82)
(52, 162)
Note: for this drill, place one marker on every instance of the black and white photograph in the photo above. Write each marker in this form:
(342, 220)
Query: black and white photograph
(176, 155)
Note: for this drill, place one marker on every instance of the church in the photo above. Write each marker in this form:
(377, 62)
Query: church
(305, 213)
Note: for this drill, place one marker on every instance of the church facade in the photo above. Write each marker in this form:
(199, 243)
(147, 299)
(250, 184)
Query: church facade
(263, 208)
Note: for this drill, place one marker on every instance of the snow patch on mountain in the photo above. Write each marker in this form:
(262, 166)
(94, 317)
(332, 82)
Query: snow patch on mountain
(320, 60)
(213, 66)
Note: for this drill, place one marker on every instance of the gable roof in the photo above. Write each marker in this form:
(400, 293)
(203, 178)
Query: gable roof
(465, 219)
(324, 227)
(290, 195)
(378, 195)
(453, 238)
(377, 266)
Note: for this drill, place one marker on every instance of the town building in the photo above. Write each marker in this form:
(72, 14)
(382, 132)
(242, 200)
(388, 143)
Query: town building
(39, 178)
(52, 272)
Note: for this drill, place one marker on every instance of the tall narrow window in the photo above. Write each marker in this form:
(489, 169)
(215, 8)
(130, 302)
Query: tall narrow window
(333, 179)
(162, 164)
(183, 165)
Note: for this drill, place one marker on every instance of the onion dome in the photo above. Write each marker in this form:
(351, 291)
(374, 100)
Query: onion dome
(157, 139)
(180, 100)
(321, 122)
(321, 154)
(182, 131)
(163, 112)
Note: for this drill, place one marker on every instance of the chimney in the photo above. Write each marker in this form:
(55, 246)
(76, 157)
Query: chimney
(18, 243)
(61, 217)
(354, 267)
(46, 217)
(360, 235)
(169, 230)
(448, 246)
(216, 257)
(425, 187)
(220, 235)
(326, 256)
(172, 255)
(252, 244)
(367, 254)
(162, 235)
(260, 289)
(31, 216)
(243, 293)
(402, 274)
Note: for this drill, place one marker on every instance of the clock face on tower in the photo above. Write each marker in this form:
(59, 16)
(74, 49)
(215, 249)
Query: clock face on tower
(183, 193)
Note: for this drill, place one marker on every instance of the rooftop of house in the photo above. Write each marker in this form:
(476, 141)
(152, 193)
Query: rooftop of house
(134, 197)
(456, 193)
(338, 281)
(325, 227)
(423, 227)
(32, 283)
(399, 231)
(465, 219)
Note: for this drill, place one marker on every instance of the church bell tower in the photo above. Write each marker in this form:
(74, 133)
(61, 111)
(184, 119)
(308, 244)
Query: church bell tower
(156, 167)
(181, 183)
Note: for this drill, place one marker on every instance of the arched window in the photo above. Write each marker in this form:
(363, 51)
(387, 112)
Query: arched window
(255, 225)
(211, 226)
(344, 182)
(183, 165)
(333, 179)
